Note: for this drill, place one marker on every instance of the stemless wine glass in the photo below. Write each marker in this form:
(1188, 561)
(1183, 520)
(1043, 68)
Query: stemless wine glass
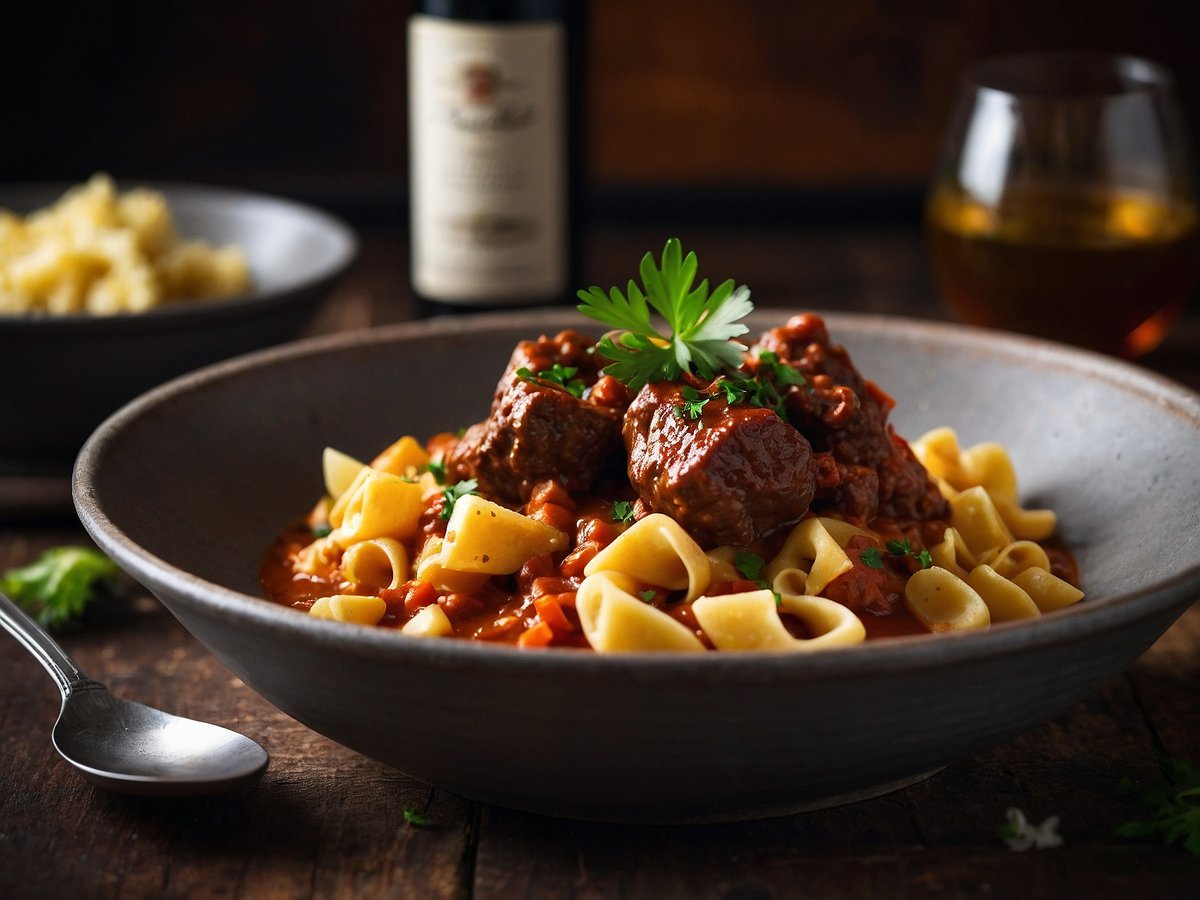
(1064, 204)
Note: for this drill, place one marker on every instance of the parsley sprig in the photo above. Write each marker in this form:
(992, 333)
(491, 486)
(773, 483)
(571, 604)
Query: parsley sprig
(558, 375)
(702, 323)
(1173, 805)
(58, 585)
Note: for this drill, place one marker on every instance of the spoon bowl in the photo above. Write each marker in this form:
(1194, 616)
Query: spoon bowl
(126, 746)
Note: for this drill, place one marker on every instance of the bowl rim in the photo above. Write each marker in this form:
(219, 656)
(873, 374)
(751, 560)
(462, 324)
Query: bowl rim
(870, 659)
(343, 239)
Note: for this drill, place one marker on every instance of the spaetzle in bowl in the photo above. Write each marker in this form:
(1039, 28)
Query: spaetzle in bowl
(110, 303)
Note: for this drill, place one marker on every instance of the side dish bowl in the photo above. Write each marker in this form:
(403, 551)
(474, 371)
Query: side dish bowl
(62, 375)
(188, 485)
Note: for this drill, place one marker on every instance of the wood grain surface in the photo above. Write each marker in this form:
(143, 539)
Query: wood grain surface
(326, 822)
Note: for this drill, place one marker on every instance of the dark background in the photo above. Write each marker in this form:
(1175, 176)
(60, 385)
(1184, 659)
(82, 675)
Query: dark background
(795, 112)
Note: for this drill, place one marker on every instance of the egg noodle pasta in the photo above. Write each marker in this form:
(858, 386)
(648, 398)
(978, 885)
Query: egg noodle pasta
(102, 252)
(757, 502)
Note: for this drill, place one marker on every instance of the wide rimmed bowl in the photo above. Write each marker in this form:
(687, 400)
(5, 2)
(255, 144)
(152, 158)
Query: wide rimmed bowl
(186, 487)
(62, 375)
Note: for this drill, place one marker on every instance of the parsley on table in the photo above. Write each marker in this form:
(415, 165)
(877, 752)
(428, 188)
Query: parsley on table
(622, 511)
(416, 819)
(1173, 805)
(557, 375)
(59, 584)
(702, 323)
(454, 492)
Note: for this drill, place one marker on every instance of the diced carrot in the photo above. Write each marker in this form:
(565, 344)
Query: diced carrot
(550, 612)
(420, 595)
(539, 635)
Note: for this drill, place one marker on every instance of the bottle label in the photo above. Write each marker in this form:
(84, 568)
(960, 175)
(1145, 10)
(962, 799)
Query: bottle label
(488, 160)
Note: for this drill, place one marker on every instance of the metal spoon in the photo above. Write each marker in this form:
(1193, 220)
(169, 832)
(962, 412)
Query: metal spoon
(125, 746)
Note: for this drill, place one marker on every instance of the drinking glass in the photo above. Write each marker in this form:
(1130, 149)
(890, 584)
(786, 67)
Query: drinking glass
(1064, 203)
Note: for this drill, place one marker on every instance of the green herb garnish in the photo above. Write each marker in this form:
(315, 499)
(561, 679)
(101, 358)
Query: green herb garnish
(417, 819)
(903, 548)
(750, 566)
(454, 493)
(871, 558)
(58, 585)
(693, 404)
(648, 596)
(702, 324)
(558, 375)
(321, 529)
(622, 511)
(437, 468)
(1173, 804)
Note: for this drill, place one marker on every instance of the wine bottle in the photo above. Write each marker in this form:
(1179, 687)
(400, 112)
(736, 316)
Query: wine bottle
(495, 120)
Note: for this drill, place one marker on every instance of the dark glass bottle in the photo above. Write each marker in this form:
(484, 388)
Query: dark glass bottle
(495, 152)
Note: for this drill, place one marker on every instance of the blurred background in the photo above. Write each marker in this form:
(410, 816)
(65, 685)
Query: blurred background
(813, 117)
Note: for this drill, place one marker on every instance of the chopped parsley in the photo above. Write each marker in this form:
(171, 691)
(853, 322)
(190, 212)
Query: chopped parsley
(750, 566)
(873, 559)
(693, 404)
(454, 492)
(437, 468)
(648, 596)
(622, 511)
(558, 375)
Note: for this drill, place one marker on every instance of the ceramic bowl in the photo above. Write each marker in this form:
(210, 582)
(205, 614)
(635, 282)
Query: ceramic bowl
(187, 486)
(62, 375)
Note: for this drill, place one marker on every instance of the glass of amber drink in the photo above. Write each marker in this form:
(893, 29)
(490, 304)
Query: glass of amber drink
(1064, 204)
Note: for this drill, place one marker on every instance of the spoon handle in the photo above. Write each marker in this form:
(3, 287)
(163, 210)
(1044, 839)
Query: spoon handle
(44, 648)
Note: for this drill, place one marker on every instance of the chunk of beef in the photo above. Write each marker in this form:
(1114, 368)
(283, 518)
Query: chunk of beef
(728, 477)
(537, 430)
(843, 413)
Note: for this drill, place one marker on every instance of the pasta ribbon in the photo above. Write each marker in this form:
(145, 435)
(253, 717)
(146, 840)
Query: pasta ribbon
(1048, 591)
(751, 621)
(379, 505)
(358, 609)
(975, 517)
(722, 561)
(428, 567)
(379, 562)
(431, 621)
(404, 457)
(613, 620)
(952, 554)
(483, 536)
(944, 602)
(810, 558)
(1017, 557)
(1006, 602)
(1026, 524)
(656, 550)
(340, 471)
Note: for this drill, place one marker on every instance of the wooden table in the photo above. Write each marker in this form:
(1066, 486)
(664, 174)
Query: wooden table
(324, 821)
